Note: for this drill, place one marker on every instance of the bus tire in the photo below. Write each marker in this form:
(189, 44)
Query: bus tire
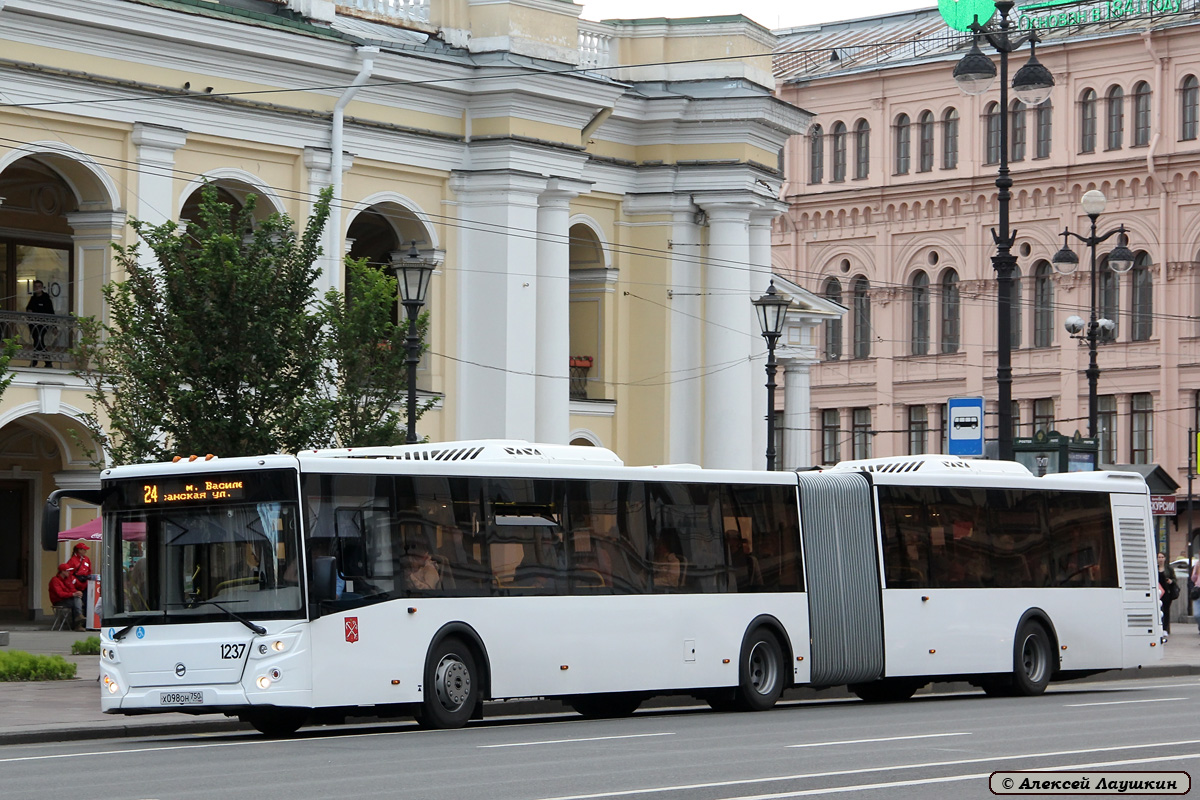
(276, 723)
(761, 676)
(886, 690)
(451, 685)
(605, 705)
(1032, 660)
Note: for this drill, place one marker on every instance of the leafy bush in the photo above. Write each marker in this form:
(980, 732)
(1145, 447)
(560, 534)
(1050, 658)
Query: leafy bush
(17, 665)
(86, 647)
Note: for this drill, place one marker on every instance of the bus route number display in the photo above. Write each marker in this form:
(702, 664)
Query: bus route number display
(165, 493)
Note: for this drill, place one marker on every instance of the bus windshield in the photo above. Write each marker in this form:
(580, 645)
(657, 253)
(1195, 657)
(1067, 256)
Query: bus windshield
(203, 548)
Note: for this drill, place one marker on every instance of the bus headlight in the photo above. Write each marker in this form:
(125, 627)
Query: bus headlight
(278, 646)
(264, 682)
(111, 684)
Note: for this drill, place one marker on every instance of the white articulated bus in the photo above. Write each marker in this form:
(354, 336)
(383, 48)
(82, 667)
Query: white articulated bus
(425, 579)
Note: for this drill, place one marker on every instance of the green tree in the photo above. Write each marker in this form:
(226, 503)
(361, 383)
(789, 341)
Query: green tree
(219, 348)
(8, 349)
(366, 359)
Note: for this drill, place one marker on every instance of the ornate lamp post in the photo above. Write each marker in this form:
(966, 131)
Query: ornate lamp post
(771, 309)
(1032, 85)
(1065, 261)
(412, 274)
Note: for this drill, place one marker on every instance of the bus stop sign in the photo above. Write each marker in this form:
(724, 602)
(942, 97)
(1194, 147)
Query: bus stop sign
(965, 421)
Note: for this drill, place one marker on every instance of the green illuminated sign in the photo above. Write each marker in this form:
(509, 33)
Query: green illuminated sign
(1059, 13)
(961, 14)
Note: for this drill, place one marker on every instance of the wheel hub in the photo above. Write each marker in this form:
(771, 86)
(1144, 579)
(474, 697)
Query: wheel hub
(452, 681)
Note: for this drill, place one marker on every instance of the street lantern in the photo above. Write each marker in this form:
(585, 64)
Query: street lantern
(1032, 84)
(772, 310)
(412, 274)
(1065, 262)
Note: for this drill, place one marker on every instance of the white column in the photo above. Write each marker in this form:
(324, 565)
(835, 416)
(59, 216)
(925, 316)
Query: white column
(759, 278)
(730, 329)
(319, 162)
(497, 304)
(156, 202)
(797, 415)
(687, 336)
(553, 382)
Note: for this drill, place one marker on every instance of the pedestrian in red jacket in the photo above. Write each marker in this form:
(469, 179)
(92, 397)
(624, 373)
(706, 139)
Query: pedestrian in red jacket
(80, 566)
(63, 593)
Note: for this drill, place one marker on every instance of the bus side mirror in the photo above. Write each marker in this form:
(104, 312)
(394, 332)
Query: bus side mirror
(50, 523)
(324, 578)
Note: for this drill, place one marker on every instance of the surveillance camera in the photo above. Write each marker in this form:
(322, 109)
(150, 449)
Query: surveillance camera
(1074, 324)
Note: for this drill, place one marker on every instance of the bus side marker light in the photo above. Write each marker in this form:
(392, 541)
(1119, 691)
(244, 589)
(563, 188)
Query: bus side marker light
(193, 457)
(209, 457)
(412, 609)
(1154, 644)
(931, 652)
(564, 667)
(724, 660)
(799, 658)
(1064, 647)
(925, 599)
(395, 682)
(176, 459)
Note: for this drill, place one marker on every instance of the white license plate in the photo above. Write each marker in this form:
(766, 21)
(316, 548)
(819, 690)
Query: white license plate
(181, 698)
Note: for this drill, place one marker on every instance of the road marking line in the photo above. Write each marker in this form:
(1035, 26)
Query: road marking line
(884, 739)
(865, 787)
(838, 773)
(570, 741)
(1123, 702)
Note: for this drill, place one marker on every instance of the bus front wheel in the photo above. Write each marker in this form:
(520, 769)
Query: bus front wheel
(451, 686)
(761, 675)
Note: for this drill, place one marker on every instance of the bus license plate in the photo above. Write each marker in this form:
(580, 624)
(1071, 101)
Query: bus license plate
(181, 698)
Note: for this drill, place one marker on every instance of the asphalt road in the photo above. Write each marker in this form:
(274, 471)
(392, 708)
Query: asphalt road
(934, 746)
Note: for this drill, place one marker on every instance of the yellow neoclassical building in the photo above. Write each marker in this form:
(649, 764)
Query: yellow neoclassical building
(596, 199)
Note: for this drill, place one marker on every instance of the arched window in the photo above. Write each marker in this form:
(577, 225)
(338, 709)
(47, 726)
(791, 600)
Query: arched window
(903, 139)
(839, 152)
(862, 318)
(1108, 290)
(1115, 108)
(950, 139)
(1141, 114)
(862, 149)
(1043, 121)
(1016, 134)
(1014, 310)
(991, 116)
(1087, 121)
(1043, 305)
(816, 155)
(833, 328)
(920, 314)
(1189, 107)
(925, 126)
(951, 335)
(1142, 299)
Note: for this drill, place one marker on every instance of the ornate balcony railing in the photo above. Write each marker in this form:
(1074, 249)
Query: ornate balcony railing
(400, 10)
(57, 334)
(580, 365)
(595, 45)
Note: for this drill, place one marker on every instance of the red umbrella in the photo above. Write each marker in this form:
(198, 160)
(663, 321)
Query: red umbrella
(90, 531)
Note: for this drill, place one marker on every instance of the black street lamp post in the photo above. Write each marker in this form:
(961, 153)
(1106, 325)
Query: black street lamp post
(412, 274)
(1065, 261)
(1032, 85)
(771, 309)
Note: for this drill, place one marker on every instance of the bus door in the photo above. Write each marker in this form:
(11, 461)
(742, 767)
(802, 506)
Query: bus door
(837, 526)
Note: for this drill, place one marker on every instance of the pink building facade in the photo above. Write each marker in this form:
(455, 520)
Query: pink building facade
(892, 199)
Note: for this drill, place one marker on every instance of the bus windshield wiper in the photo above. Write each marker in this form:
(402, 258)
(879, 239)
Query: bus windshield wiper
(260, 630)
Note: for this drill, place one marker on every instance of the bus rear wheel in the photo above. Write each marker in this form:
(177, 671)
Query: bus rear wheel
(276, 723)
(761, 675)
(1032, 660)
(451, 686)
(606, 705)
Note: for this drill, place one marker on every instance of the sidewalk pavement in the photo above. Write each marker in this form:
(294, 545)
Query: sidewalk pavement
(54, 711)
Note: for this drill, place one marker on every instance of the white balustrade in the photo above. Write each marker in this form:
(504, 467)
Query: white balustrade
(595, 45)
(404, 10)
